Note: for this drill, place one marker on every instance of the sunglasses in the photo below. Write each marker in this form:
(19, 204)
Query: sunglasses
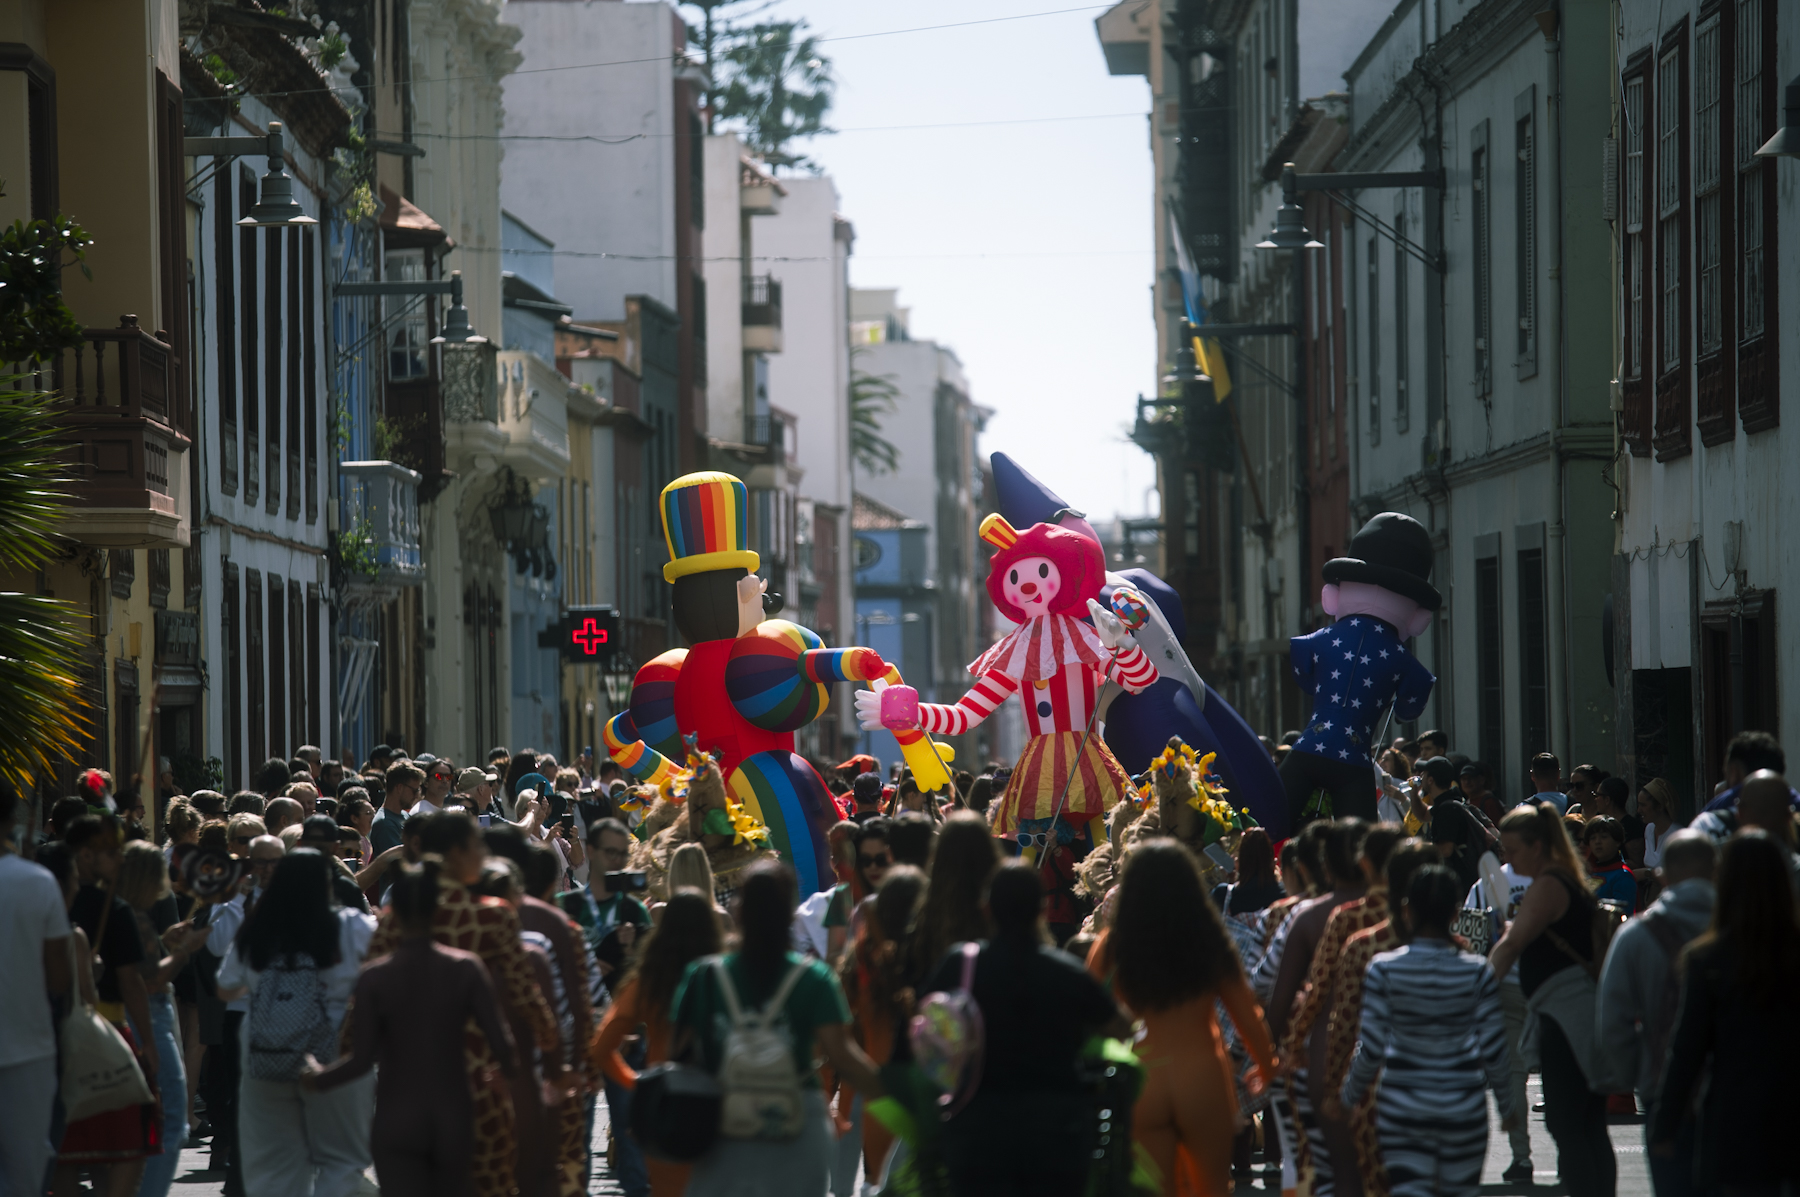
(886, 858)
(1027, 839)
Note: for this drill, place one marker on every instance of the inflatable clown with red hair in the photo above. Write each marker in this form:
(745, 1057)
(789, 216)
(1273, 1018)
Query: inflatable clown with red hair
(1045, 580)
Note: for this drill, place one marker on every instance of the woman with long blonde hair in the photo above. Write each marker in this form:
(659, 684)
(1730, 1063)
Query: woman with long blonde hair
(1552, 934)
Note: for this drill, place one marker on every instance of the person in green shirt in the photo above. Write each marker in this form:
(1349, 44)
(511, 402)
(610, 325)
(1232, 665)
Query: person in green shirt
(815, 1017)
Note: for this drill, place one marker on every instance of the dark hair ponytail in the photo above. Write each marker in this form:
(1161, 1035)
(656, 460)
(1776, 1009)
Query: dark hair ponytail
(1433, 897)
(414, 896)
(765, 917)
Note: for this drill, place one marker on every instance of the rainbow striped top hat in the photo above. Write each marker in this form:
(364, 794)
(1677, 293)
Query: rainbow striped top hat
(706, 520)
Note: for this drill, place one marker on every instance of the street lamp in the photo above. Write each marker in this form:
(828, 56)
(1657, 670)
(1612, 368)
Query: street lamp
(1786, 142)
(276, 207)
(1290, 230)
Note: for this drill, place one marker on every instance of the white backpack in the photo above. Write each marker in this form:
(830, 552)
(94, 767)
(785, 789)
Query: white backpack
(762, 1087)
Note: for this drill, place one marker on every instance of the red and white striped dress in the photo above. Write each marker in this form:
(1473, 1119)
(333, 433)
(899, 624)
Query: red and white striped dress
(1059, 664)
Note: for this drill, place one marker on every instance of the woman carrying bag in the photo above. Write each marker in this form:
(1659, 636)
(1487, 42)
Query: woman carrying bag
(297, 957)
(144, 885)
(1551, 939)
(113, 1124)
(776, 1137)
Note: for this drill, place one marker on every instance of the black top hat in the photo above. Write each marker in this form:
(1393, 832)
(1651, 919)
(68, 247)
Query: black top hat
(1392, 551)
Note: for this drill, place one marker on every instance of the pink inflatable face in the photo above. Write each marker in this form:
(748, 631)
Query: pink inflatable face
(1032, 583)
(1360, 598)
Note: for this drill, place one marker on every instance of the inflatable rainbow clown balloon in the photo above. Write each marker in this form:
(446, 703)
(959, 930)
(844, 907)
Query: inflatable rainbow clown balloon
(747, 683)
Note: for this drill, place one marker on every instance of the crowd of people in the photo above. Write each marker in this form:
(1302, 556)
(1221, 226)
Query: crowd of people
(448, 971)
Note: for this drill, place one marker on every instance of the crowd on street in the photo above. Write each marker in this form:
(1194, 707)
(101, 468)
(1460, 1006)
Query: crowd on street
(443, 969)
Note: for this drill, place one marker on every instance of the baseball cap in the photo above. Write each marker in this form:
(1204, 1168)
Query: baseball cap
(1473, 769)
(867, 787)
(424, 760)
(1438, 769)
(469, 779)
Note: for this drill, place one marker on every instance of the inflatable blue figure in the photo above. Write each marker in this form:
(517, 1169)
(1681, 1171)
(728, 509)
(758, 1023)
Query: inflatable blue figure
(1380, 596)
(1179, 703)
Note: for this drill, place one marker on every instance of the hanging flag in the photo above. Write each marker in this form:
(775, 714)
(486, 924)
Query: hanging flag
(1208, 353)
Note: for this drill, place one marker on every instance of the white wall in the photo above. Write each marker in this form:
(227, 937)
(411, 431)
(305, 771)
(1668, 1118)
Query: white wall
(724, 271)
(588, 197)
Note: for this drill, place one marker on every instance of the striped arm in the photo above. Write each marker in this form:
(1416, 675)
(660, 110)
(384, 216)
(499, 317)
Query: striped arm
(633, 755)
(982, 700)
(1134, 670)
(828, 665)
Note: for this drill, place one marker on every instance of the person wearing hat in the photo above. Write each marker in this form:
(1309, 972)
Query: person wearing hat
(473, 784)
(1358, 667)
(868, 793)
(1445, 820)
(747, 684)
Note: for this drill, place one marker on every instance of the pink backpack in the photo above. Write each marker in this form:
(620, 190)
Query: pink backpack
(948, 1038)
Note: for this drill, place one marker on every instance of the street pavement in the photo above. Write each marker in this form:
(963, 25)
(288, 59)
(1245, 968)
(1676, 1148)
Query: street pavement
(193, 1180)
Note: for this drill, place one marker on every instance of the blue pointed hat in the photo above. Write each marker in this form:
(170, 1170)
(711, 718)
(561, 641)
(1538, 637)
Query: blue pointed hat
(1025, 501)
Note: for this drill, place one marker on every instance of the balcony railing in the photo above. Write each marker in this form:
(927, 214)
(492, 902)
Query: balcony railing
(762, 302)
(119, 423)
(379, 523)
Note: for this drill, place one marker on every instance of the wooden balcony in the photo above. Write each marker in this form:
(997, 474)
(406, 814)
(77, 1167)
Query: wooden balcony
(126, 451)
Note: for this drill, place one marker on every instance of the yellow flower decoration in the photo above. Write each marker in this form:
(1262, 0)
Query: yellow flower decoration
(749, 828)
(1174, 758)
(633, 801)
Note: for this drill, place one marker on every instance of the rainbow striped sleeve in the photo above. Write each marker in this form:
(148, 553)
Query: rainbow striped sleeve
(828, 665)
(637, 758)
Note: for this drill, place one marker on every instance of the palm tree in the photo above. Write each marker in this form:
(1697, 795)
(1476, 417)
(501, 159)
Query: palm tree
(40, 645)
(871, 397)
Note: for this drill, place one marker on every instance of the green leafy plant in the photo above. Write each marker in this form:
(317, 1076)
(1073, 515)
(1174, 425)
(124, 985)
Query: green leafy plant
(356, 548)
(872, 396)
(35, 323)
(360, 205)
(332, 48)
(40, 644)
(221, 74)
(392, 434)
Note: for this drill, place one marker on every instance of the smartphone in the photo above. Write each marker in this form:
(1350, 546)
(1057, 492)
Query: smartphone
(485, 818)
(1220, 857)
(567, 820)
(627, 883)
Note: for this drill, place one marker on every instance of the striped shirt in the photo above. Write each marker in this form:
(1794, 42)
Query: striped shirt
(1431, 1020)
(1061, 702)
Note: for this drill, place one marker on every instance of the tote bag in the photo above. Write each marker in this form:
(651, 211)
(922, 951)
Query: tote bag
(99, 1070)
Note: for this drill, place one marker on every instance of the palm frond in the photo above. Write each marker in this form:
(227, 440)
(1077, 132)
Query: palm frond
(32, 478)
(40, 655)
(42, 714)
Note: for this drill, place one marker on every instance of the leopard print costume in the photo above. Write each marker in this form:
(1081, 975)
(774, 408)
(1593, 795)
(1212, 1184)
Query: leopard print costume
(489, 928)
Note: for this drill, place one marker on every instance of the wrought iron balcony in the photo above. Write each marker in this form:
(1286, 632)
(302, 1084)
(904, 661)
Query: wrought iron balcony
(378, 529)
(125, 447)
(762, 314)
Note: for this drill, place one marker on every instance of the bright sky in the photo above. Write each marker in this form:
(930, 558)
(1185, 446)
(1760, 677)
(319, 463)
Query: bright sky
(1026, 247)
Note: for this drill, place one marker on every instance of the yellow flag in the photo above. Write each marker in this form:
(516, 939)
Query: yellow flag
(1211, 357)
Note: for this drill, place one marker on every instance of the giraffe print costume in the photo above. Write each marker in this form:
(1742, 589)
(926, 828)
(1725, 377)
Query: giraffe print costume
(1345, 1027)
(489, 928)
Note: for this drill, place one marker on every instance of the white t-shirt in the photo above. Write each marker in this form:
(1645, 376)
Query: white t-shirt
(226, 918)
(355, 930)
(1515, 891)
(31, 911)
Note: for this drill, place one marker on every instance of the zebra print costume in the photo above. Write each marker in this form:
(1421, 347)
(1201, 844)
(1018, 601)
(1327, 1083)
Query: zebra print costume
(1431, 1025)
